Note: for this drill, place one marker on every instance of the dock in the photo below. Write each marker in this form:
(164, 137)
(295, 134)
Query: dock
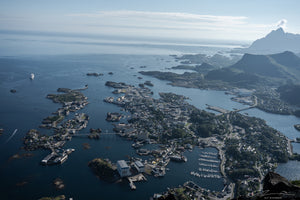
(136, 178)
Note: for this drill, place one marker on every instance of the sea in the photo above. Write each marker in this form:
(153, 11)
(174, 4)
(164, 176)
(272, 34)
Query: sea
(63, 62)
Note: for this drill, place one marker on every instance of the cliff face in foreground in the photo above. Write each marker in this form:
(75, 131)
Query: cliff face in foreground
(276, 187)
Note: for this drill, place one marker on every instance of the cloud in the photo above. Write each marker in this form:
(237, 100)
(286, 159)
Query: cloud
(281, 23)
(146, 24)
(164, 24)
(161, 20)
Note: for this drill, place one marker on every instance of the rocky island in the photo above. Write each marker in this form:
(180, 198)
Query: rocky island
(104, 169)
(72, 101)
(94, 74)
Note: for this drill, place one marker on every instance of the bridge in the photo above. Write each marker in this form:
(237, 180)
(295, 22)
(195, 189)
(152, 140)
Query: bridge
(224, 111)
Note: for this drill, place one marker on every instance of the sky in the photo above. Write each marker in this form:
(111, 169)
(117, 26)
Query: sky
(236, 20)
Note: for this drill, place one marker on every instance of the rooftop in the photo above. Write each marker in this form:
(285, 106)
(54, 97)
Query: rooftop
(122, 164)
(139, 164)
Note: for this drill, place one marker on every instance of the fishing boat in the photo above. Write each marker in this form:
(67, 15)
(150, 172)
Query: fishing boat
(31, 76)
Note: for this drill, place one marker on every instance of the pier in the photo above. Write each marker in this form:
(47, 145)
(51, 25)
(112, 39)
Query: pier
(132, 179)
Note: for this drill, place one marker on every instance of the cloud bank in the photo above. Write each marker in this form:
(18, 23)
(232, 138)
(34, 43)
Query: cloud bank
(146, 24)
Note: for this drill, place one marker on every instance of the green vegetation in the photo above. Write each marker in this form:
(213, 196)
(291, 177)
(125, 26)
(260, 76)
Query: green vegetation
(240, 173)
(295, 156)
(103, 169)
(206, 124)
(296, 182)
(176, 133)
(290, 93)
(55, 118)
(67, 96)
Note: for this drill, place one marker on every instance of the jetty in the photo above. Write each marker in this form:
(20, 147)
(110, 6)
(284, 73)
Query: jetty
(205, 175)
(136, 178)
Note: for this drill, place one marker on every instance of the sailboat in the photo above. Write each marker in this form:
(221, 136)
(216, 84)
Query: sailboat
(31, 76)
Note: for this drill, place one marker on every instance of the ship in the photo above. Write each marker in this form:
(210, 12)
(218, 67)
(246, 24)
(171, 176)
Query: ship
(31, 76)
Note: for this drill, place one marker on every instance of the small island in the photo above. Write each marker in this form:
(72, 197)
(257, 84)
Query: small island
(104, 169)
(13, 91)
(94, 74)
(1, 131)
(148, 83)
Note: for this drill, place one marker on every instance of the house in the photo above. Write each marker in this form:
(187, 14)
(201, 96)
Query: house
(123, 168)
(139, 166)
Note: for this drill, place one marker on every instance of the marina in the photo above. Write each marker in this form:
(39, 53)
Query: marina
(205, 175)
(207, 160)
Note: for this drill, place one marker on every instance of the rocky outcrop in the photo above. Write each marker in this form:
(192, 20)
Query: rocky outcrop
(274, 183)
(276, 187)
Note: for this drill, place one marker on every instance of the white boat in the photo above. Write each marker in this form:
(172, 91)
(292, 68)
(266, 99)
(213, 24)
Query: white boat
(31, 76)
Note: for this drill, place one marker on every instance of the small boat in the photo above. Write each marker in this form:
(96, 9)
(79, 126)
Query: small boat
(31, 76)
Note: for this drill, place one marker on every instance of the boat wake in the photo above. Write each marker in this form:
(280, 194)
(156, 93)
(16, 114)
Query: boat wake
(12, 135)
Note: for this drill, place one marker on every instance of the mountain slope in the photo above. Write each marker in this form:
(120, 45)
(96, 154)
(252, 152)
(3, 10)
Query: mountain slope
(275, 42)
(261, 69)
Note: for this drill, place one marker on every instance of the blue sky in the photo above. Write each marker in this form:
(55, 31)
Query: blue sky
(193, 19)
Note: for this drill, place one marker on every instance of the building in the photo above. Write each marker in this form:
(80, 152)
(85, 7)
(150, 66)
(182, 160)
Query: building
(139, 166)
(123, 168)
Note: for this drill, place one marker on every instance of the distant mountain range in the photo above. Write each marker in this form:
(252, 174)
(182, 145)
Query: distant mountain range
(252, 70)
(275, 42)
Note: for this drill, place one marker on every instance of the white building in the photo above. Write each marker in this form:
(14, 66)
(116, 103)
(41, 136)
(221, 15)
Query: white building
(139, 166)
(123, 168)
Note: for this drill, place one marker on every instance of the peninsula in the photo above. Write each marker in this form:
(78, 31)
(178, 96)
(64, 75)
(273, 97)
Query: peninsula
(247, 146)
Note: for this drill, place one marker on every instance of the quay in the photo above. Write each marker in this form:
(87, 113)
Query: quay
(132, 179)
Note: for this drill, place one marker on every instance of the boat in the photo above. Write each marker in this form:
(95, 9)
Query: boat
(31, 76)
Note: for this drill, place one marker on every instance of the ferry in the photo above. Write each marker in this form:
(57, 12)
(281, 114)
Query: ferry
(31, 76)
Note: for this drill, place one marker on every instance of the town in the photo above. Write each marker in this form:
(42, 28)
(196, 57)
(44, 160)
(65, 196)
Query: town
(174, 126)
(178, 126)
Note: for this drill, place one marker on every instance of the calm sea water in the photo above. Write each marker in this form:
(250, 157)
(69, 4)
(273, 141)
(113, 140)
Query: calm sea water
(25, 110)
